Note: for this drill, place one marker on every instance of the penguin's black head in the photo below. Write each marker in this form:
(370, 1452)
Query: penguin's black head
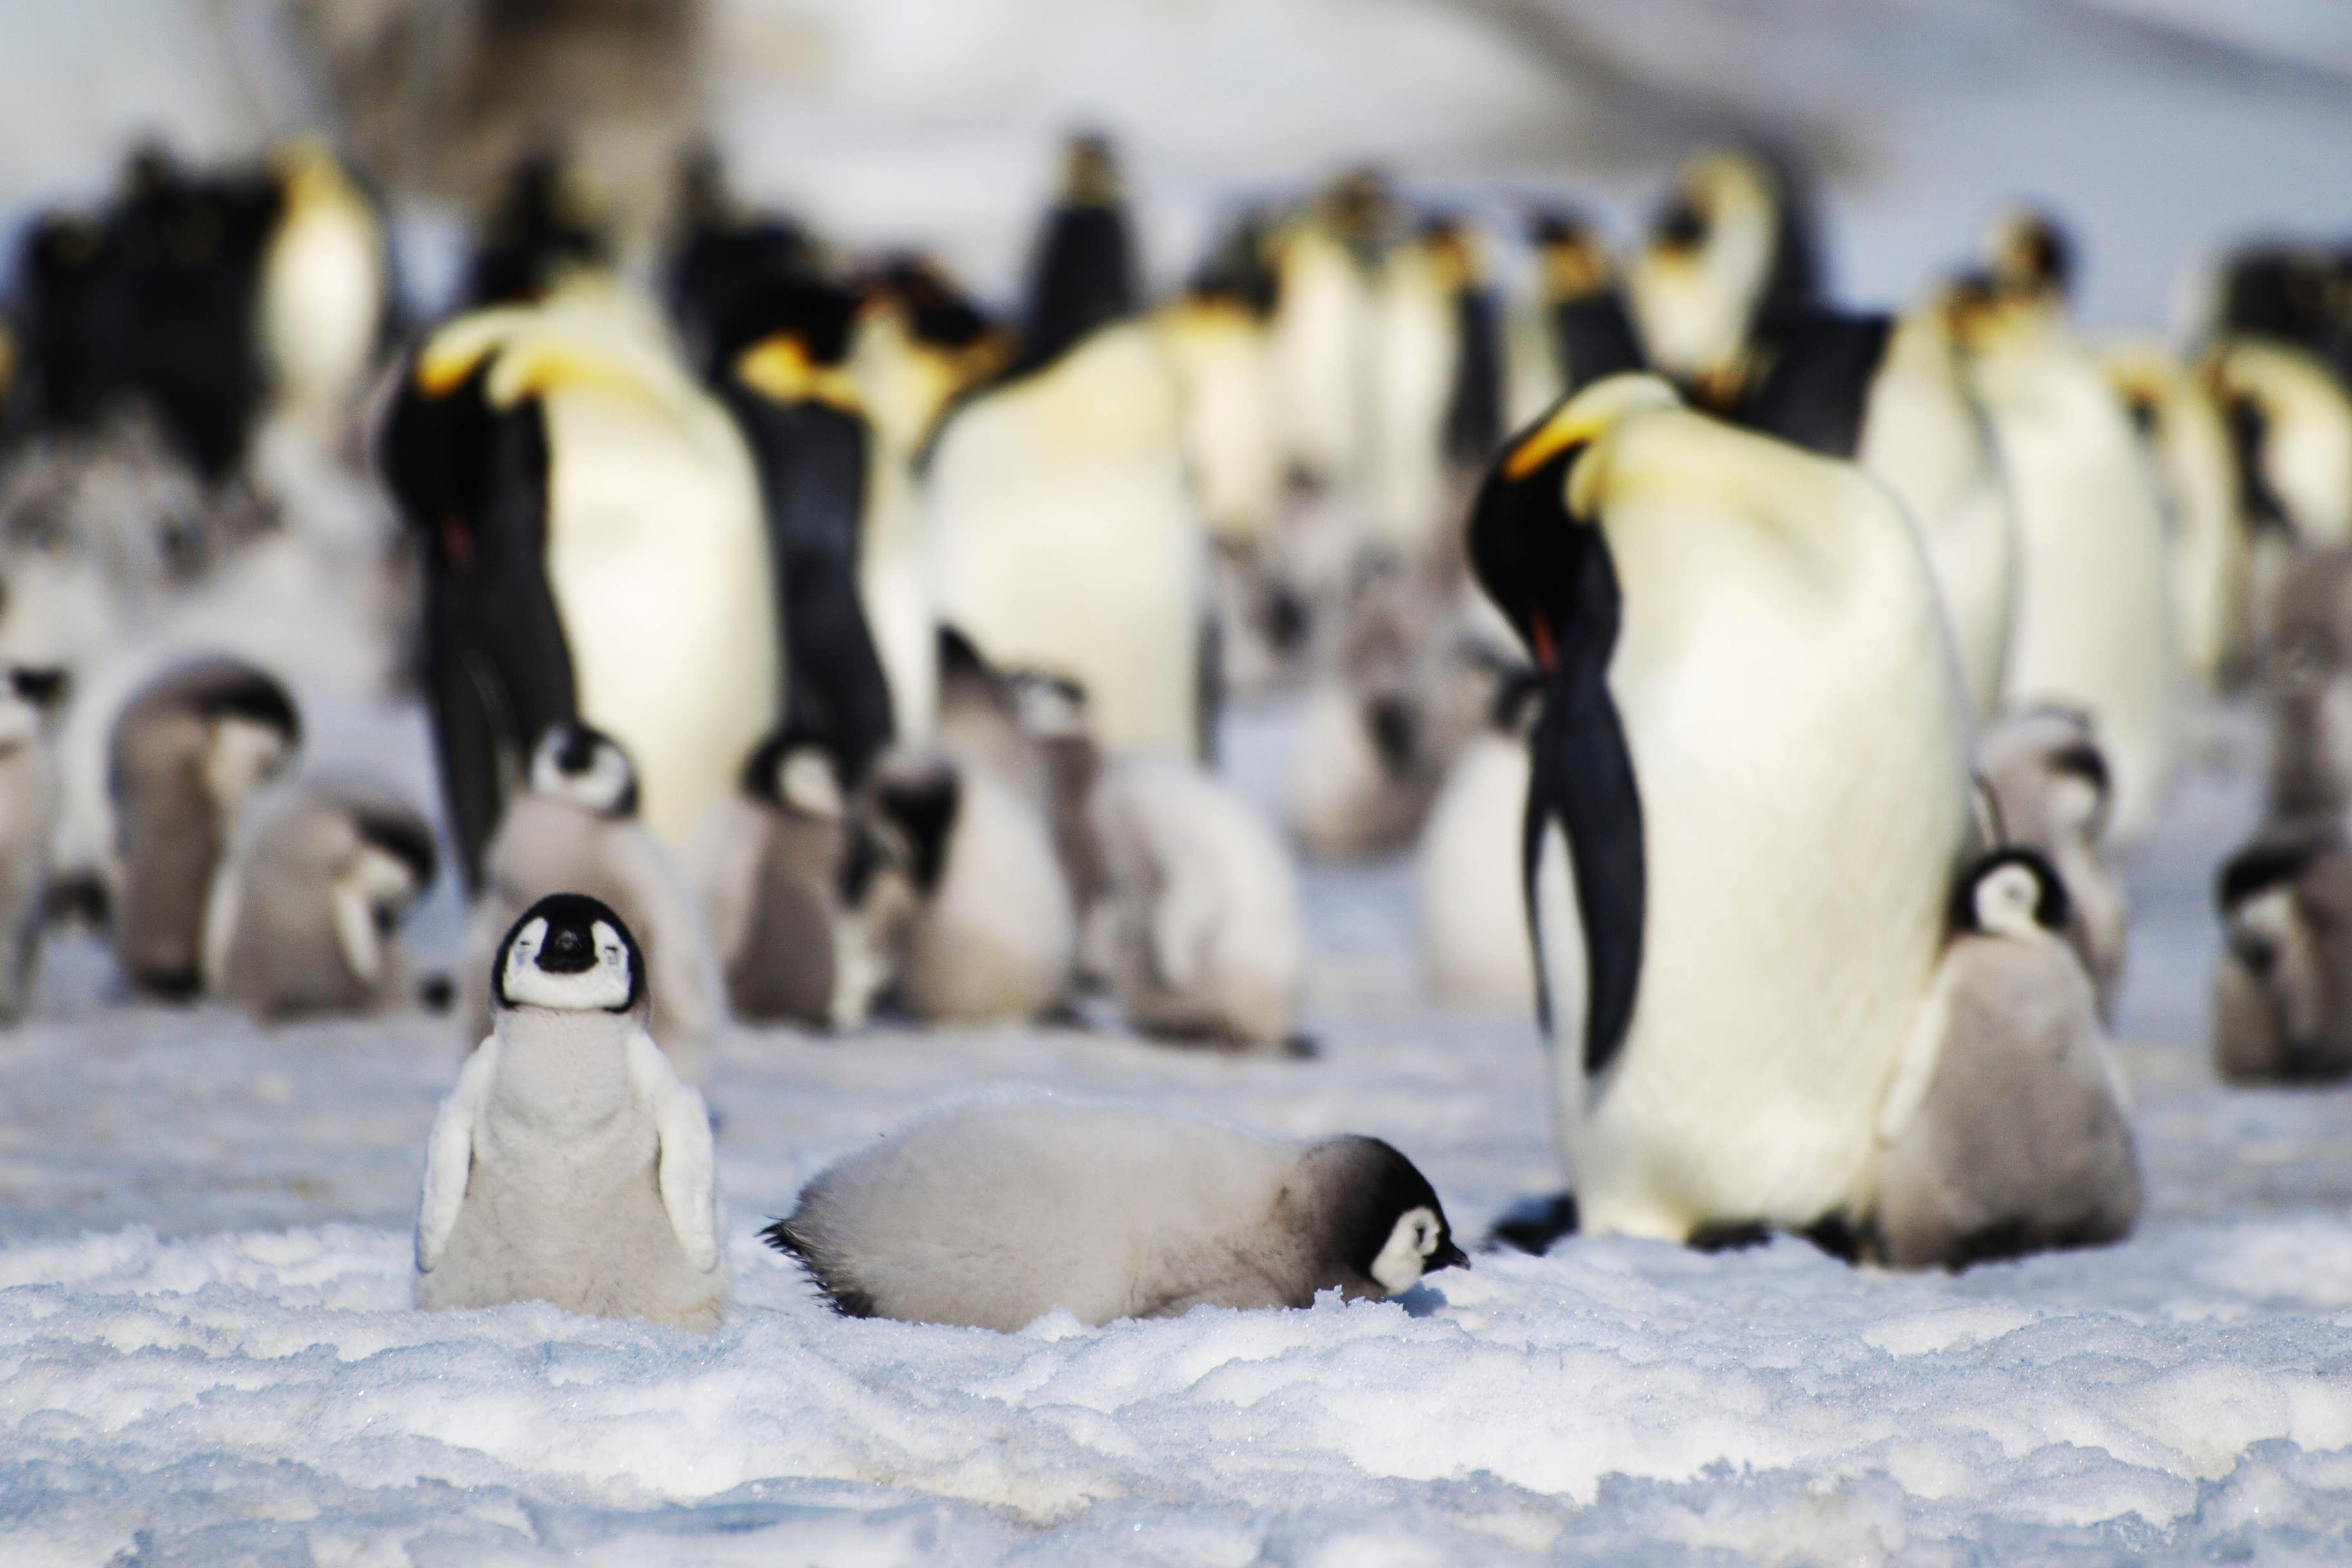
(587, 767)
(2276, 859)
(797, 770)
(913, 803)
(1392, 1228)
(569, 954)
(938, 314)
(404, 836)
(2011, 892)
(1236, 268)
(2033, 254)
(1090, 175)
(230, 688)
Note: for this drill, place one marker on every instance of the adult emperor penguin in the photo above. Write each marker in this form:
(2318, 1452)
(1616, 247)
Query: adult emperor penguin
(1733, 247)
(325, 287)
(1749, 792)
(2291, 423)
(2186, 424)
(1435, 378)
(29, 816)
(788, 384)
(186, 754)
(1067, 537)
(1322, 328)
(2092, 628)
(1573, 328)
(594, 549)
(2283, 987)
(2008, 1129)
(1209, 940)
(994, 1213)
(1891, 394)
(542, 228)
(305, 915)
(576, 830)
(1469, 877)
(571, 1164)
(768, 864)
(2048, 790)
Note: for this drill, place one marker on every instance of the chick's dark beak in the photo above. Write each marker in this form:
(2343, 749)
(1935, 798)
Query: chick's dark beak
(1448, 1255)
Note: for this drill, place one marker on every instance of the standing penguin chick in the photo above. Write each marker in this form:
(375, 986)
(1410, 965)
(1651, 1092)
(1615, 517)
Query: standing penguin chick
(304, 914)
(2007, 1129)
(2283, 989)
(1210, 939)
(768, 863)
(2306, 680)
(571, 1164)
(184, 757)
(991, 1214)
(28, 816)
(2049, 784)
(576, 830)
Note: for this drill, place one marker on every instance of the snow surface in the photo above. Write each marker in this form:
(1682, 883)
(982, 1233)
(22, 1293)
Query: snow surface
(207, 1353)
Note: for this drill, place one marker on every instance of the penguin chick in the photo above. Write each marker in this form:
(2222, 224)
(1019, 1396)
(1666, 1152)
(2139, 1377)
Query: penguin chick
(28, 814)
(996, 1212)
(185, 755)
(576, 830)
(2304, 676)
(2282, 986)
(2049, 784)
(571, 1164)
(954, 888)
(1367, 762)
(305, 913)
(1474, 914)
(2007, 1129)
(1209, 940)
(768, 864)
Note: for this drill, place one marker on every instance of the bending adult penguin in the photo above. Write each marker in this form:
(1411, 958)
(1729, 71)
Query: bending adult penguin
(594, 549)
(185, 755)
(1065, 534)
(28, 814)
(305, 913)
(1733, 249)
(1748, 680)
(994, 1213)
(2093, 623)
(2008, 1128)
(570, 1164)
(576, 830)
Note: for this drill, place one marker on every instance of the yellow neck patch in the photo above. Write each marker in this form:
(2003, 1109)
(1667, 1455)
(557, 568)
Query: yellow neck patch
(778, 368)
(1586, 416)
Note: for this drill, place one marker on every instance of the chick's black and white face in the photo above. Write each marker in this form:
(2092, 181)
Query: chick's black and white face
(568, 965)
(1418, 1244)
(2007, 900)
(576, 763)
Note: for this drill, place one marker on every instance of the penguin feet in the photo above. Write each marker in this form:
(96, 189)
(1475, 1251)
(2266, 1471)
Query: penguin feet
(1532, 1225)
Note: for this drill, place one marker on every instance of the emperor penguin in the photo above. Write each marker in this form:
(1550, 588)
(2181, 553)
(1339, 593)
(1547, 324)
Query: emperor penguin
(1573, 329)
(305, 915)
(576, 830)
(325, 291)
(1468, 878)
(1749, 791)
(918, 345)
(543, 225)
(1323, 262)
(2185, 422)
(2304, 679)
(953, 887)
(1065, 530)
(185, 755)
(768, 864)
(2290, 420)
(2050, 793)
(1733, 247)
(1106, 1212)
(2290, 293)
(2008, 1129)
(1218, 339)
(788, 384)
(2282, 986)
(571, 1164)
(725, 263)
(1435, 385)
(1891, 393)
(596, 549)
(28, 814)
(2093, 629)
(1209, 940)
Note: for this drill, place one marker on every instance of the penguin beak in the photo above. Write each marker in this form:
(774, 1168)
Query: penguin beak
(1448, 1255)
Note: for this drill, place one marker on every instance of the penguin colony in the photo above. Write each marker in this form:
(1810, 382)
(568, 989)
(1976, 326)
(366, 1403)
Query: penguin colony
(1763, 687)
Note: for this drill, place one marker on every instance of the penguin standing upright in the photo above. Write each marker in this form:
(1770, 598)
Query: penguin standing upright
(28, 814)
(1435, 385)
(2092, 628)
(1322, 329)
(1891, 394)
(1573, 328)
(1733, 249)
(570, 1164)
(1066, 536)
(2290, 421)
(325, 286)
(595, 548)
(2007, 1129)
(1750, 788)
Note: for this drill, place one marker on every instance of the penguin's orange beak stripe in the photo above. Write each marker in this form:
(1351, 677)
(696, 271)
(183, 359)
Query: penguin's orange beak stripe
(1546, 652)
(1556, 435)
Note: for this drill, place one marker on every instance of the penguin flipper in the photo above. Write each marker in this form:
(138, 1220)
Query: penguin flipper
(687, 1162)
(449, 1154)
(356, 936)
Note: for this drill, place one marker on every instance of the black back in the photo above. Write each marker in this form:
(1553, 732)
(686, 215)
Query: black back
(531, 237)
(1813, 387)
(1083, 274)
